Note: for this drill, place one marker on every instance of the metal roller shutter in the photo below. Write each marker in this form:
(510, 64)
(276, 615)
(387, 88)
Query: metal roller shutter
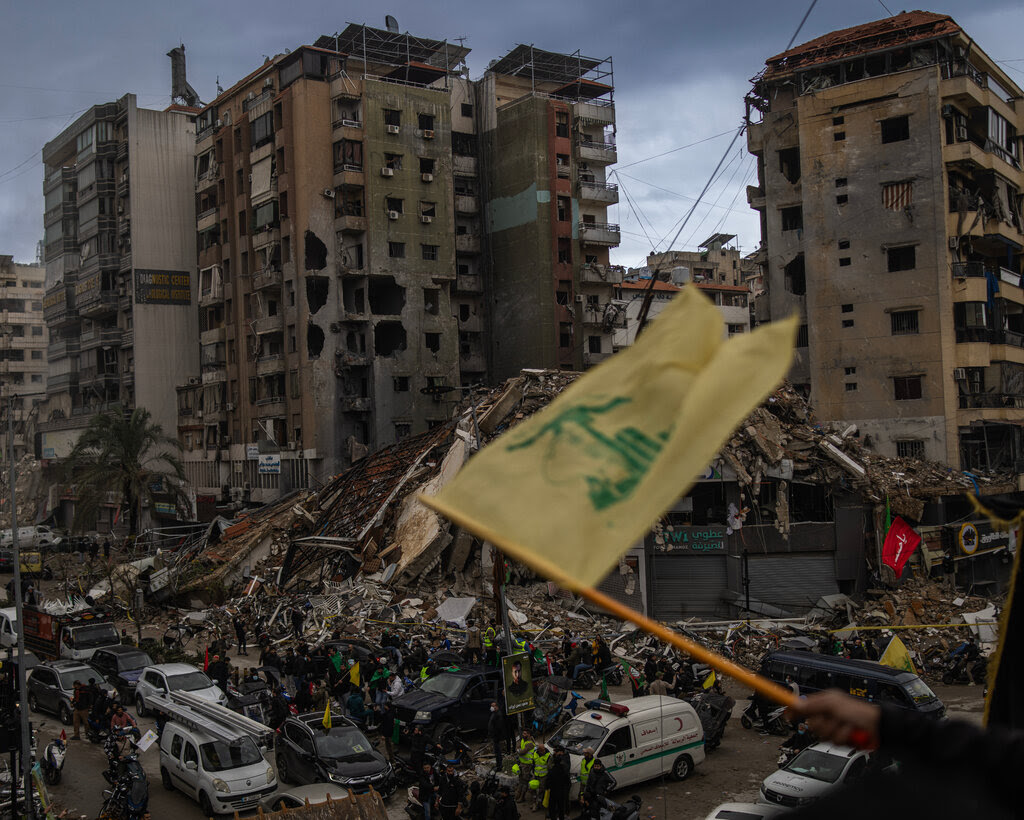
(688, 586)
(793, 581)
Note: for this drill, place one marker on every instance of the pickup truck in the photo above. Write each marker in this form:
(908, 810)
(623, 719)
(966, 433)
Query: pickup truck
(75, 635)
(456, 699)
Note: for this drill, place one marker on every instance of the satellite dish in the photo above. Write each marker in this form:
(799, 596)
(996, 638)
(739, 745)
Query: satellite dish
(390, 23)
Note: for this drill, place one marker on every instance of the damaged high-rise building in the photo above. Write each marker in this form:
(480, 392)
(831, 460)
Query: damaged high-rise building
(890, 182)
(348, 278)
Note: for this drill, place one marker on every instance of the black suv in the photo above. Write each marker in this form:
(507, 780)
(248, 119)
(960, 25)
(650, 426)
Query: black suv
(121, 666)
(455, 699)
(309, 753)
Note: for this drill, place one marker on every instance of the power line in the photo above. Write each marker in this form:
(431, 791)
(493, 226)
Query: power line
(673, 193)
(673, 150)
(804, 20)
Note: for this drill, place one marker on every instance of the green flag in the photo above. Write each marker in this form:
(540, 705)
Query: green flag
(604, 688)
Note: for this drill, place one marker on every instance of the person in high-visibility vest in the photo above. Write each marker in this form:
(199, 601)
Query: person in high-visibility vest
(490, 650)
(524, 749)
(541, 760)
(586, 764)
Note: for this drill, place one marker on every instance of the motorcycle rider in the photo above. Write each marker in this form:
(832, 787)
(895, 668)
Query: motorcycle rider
(122, 723)
(800, 740)
(599, 783)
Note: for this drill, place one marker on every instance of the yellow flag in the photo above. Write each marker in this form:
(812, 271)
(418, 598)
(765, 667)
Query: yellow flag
(709, 681)
(897, 656)
(569, 490)
(353, 674)
(327, 716)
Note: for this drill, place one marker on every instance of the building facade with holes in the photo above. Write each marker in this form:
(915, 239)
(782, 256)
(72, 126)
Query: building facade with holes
(890, 182)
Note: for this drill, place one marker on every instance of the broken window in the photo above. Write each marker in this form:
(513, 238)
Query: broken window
(314, 341)
(426, 122)
(428, 209)
(316, 252)
(348, 155)
(432, 300)
(901, 258)
(393, 161)
(841, 182)
(565, 334)
(792, 218)
(467, 110)
(910, 448)
(564, 209)
(906, 388)
(789, 164)
(847, 322)
(388, 337)
(842, 199)
(970, 320)
(261, 130)
(401, 384)
(904, 322)
(850, 386)
(564, 251)
(562, 166)
(394, 204)
(386, 297)
(795, 276)
(802, 337)
(317, 288)
(844, 261)
(396, 250)
(562, 297)
(896, 129)
(427, 165)
(810, 502)
(561, 123)
(463, 312)
(594, 344)
(464, 143)
(846, 308)
(348, 200)
(392, 116)
(402, 430)
(839, 136)
(432, 341)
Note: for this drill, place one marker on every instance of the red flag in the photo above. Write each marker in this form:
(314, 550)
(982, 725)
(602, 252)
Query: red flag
(206, 660)
(63, 736)
(547, 660)
(900, 542)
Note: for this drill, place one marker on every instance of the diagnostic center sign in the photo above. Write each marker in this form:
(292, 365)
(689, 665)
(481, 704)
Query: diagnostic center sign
(163, 287)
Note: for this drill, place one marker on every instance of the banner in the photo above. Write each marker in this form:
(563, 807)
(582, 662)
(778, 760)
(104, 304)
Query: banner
(900, 542)
(517, 676)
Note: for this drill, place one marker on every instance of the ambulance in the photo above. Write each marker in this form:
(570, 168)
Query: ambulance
(638, 739)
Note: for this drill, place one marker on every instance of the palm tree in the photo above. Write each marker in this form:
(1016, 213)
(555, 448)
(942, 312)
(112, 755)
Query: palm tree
(127, 455)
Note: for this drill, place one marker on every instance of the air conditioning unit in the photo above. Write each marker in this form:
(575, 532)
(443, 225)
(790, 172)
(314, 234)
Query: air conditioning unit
(392, 215)
(392, 129)
(387, 172)
(954, 242)
(428, 134)
(250, 96)
(122, 291)
(960, 374)
(193, 380)
(427, 177)
(229, 407)
(426, 220)
(579, 298)
(268, 83)
(961, 134)
(329, 193)
(218, 123)
(947, 111)
(293, 445)
(199, 414)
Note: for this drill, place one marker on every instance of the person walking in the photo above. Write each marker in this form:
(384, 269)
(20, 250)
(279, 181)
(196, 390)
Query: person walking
(388, 725)
(219, 672)
(541, 765)
(94, 549)
(558, 785)
(496, 732)
(106, 549)
(490, 647)
(586, 764)
(427, 789)
(660, 686)
(297, 620)
(474, 643)
(478, 802)
(239, 625)
(81, 703)
(450, 794)
(599, 783)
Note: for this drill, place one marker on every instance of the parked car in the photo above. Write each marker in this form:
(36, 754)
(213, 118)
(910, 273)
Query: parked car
(8, 626)
(812, 773)
(121, 666)
(298, 796)
(175, 677)
(51, 686)
(309, 753)
(30, 537)
(456, 699)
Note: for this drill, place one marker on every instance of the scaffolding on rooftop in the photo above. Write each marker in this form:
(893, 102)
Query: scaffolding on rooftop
(572, 77)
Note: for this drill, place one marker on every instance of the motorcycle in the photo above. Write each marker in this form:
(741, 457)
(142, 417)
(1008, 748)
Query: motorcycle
(591, 678)
(630, 810)
(962, 666)
(129, 797)
(253, 696)
(714, 711)
(774, 722)
(52, 763)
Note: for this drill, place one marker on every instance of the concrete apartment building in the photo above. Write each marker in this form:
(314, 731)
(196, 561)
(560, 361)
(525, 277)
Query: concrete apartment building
(120, 267)
(715, 261)
(547, 137)
(325, 202)
(890, 198)
(22, 348)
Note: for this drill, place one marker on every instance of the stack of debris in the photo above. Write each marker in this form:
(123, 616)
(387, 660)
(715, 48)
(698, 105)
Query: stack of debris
(29, 492)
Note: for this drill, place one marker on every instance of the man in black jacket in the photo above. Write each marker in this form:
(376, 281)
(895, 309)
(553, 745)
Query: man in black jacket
(427, 789)
(559, 783)
(599, 783)
(505, 808)
(451, 792)
(219, 673)
(496, 732)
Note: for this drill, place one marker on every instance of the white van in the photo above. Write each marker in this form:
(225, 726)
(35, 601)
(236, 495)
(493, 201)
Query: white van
(30, 537)
(8, 626)
(637, 739)
(222, 776)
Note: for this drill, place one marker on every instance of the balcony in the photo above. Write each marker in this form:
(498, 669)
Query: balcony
(266, 236)
(127, 338)
(595, 112)
(61, 382)
(271, 407)
(350, 223)
(601, 274)
(604, 316)
(122, 151)
(207, 219)
(125, 263)
(211, 295)
(59, 306)
(62, 349)
(270, 365)
(214, 374)
(97, 302)
(269, 324)
(605, 193)
(467, 204)
(122, 185)
(755, 197)
(101, 337)
(977, 401)
(356, 404)
(469, 283)
(467, 243)
(100, 379)
(211, 336)
(463, 165)
(972, 270)
(600, 152)
(267, 278)
(599, 233)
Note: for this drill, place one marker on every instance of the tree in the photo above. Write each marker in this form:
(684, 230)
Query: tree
(126, 456)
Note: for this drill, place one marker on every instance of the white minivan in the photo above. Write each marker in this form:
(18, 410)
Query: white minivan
(30, 537)
(637, 739)
(8, 626)
(222, 776)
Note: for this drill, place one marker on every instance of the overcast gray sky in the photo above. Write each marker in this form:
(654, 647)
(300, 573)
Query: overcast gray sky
(681, 70)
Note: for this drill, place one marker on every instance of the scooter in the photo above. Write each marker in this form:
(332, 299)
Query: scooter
(52, 763)
(630, 810)
(130, 796)
(569, 708)
(774, 723)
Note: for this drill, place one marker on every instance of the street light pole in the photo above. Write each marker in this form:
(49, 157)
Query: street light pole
(26, 739)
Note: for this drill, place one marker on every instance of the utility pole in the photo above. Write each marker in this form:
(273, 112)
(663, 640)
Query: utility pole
(26, 739)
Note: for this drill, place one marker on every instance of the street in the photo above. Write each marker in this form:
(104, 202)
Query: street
(733, 772)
